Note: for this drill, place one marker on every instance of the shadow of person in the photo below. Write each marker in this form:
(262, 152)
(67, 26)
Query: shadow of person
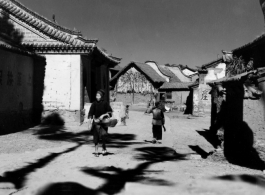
(238, 147)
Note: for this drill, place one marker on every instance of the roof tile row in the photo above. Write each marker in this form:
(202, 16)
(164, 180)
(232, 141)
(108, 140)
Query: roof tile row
(41, 24)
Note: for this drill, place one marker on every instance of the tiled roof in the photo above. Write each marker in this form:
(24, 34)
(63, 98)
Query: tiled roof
(255, 42)
(176, 85)
(212, 63)
(16, 48)
(145, 69)
(194, 84)
(116, 68)
(108, 56)
(64, 39)
(44, 25)
(166, 71)
(36, 15)
(178, 73)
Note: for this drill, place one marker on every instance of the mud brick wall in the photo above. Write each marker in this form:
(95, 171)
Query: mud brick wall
(253, 115)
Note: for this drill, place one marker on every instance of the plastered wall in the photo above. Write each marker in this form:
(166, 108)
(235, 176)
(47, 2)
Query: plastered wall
(62, 82)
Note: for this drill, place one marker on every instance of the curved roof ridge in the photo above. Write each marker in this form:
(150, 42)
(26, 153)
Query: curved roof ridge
(158, 67)
(147, 70)
(48, 28)
(212, 63)
(20, 5)
(109, 56)
(177, 66)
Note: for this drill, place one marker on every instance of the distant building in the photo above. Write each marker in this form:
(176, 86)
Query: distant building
(136, 82)
(158, 80)
(201, 91)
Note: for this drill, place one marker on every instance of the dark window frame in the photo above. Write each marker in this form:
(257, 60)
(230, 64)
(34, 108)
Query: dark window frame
(169, 95)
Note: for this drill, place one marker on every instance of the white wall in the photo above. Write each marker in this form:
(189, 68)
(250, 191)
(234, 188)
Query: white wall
(62, 82)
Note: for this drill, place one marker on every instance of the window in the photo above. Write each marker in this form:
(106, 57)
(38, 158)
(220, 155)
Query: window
(169, 95)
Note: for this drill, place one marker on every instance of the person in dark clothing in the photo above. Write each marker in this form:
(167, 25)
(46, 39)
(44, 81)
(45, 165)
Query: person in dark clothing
(157, 122)
(99, 110)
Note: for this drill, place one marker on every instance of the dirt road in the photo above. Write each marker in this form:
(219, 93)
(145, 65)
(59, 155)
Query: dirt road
(133, 165)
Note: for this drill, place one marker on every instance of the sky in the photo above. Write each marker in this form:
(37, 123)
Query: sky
(188, 32)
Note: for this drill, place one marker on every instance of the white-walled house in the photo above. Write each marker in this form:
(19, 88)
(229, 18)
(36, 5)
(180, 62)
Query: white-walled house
(74, 63)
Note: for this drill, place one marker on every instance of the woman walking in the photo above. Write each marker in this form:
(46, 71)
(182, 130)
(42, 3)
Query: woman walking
(100, 110)
(158, 122)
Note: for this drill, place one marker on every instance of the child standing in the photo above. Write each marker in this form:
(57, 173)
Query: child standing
(157, 122)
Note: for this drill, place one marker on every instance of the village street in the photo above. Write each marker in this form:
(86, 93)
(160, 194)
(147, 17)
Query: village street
(60, 161)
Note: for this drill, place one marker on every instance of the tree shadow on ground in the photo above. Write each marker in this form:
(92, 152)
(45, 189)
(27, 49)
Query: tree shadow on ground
(116, 178)
(117, 140)
(256, 180)
(210, 137)
(18, 177)
(199, 151)
(60, 133)
(66, 188)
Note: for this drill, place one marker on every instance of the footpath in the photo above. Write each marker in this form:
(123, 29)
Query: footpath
(55, 160)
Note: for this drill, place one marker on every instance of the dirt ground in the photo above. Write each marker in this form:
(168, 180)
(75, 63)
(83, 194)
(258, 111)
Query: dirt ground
(56, 160)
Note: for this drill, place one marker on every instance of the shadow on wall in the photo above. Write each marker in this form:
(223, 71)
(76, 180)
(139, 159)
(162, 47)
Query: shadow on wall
(238, 136)
(21, 119)
(38, 88)
(8, 31)
(53, 119)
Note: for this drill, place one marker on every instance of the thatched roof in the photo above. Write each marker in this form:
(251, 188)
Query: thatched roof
(194, 84)
(116, 68)
(176, 85)
(255, 42)
(143, 68)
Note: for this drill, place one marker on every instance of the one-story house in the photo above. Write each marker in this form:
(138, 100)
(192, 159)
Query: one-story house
(169, 89)
(137, 82)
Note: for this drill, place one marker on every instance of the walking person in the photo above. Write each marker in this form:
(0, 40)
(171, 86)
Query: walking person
(158, 122)
(100, 110)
